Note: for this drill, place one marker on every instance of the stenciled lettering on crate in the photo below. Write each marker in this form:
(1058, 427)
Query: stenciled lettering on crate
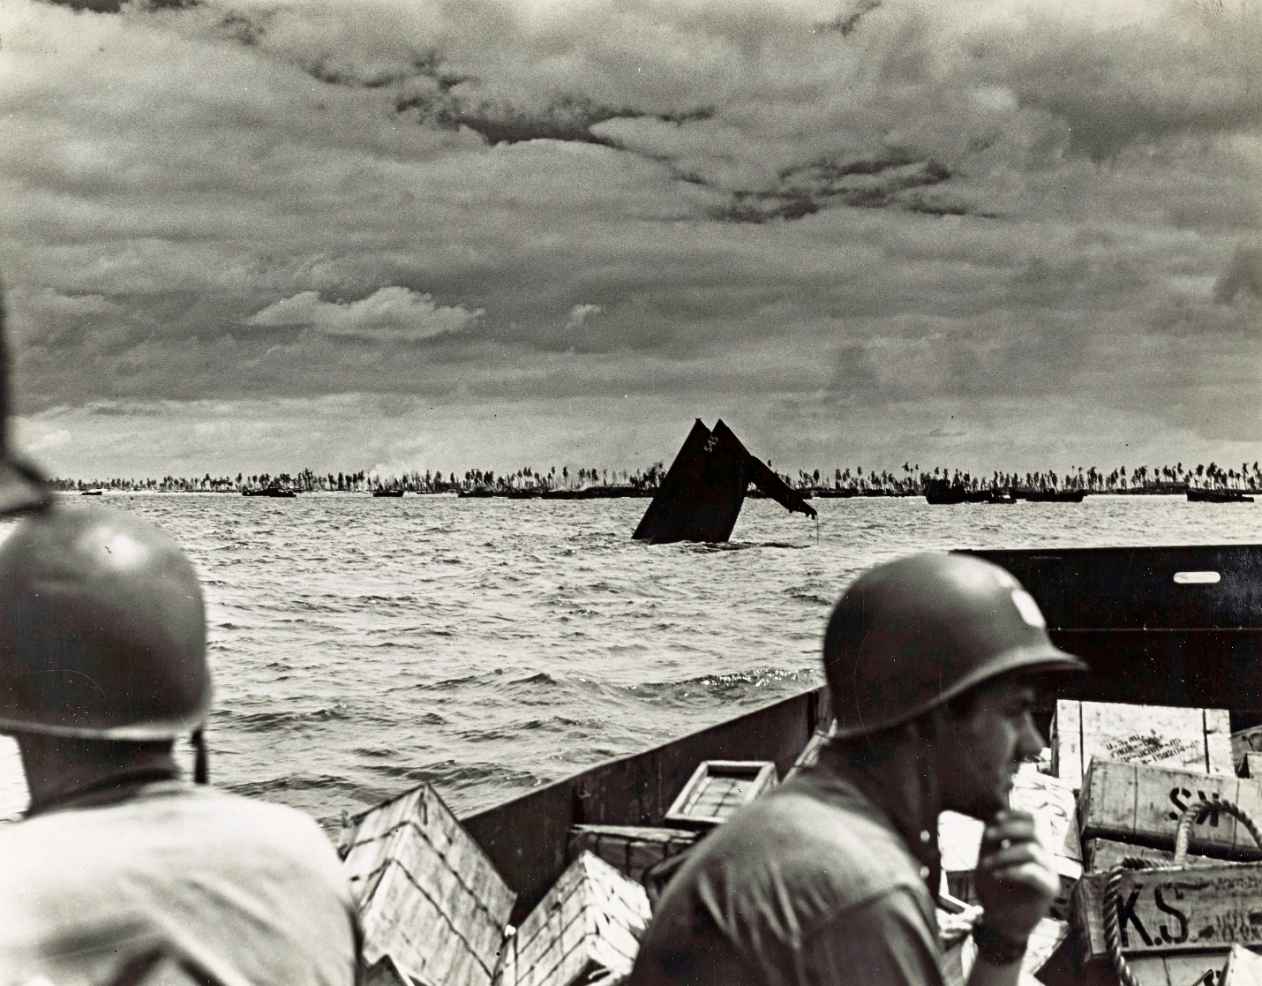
(1141, 804)
(1052, 803)
(589, 924)
(1174, 909)
(1190, 739)
(429, 898)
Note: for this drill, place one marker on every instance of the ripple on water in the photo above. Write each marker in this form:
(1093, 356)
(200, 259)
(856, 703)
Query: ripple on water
(488, 646)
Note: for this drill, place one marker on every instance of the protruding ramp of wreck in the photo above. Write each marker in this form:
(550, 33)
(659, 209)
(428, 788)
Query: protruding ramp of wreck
(702, 494)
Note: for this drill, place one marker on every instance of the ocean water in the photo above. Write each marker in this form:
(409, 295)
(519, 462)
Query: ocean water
(361, 646)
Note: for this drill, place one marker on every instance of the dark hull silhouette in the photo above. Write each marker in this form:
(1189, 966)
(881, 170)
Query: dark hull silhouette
(704, 489)
(942, 492)
(383, 492)
(1052, 496)
(1201, 495)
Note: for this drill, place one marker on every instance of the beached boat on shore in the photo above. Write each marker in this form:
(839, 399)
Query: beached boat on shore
(1171, 626)
(1205, 494)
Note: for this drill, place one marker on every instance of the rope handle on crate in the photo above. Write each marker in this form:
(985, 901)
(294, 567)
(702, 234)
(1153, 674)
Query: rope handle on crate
(1112, 931)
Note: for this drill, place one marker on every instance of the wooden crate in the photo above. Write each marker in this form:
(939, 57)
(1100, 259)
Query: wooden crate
(1174, 909)
(718, 789)
(1243, 968)
(429, 899)
(630, 849)
(589, 924)
(1051, 801)
(1140, 804)
(1190, 739)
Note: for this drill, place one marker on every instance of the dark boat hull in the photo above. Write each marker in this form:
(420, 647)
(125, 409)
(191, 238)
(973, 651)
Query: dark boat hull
(1217, 496)
(1052, 496)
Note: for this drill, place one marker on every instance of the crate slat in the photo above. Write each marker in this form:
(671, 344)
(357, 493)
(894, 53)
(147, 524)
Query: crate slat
(1101, 855)
(1141, 804)
(1190, 739)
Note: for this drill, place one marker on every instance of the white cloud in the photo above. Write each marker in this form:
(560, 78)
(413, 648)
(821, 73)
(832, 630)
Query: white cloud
(388, 313)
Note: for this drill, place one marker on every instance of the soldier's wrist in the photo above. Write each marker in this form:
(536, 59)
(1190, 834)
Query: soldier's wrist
(996, 947)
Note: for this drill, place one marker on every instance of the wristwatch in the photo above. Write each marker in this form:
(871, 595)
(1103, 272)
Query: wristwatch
(994, 948)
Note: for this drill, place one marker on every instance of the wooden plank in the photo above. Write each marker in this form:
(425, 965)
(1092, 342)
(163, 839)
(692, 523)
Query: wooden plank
(1192, 739)
(1174, 909)
(1067, 741)
(1101, 855)
(1051, 801)
(630, 849)
(1141, 804)
(1243, 968)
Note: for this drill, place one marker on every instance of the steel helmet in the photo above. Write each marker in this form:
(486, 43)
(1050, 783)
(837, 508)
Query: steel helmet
(22, 489)
(911, 634)
(102, 629)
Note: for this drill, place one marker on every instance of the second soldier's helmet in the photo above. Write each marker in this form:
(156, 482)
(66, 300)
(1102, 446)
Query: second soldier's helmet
(103, 632)
(911, 634)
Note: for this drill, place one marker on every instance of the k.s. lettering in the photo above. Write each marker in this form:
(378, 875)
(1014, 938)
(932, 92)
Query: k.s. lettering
(1173, 931)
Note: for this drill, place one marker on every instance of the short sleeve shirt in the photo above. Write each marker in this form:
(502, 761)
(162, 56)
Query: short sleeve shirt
(247, 892)
(809, 885)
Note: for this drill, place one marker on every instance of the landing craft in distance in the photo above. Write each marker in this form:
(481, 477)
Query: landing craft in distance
(705, 486)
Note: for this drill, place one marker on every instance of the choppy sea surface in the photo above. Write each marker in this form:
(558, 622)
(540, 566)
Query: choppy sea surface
(361, 646)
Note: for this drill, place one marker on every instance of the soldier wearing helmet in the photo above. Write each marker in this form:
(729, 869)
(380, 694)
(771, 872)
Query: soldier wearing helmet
(932, 662)
(122, 872)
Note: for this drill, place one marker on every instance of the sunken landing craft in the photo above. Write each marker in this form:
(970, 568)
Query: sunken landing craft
(702, 494)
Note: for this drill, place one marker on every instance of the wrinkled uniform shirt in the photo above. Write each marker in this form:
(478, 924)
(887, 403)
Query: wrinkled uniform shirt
(811, 884)
(253, 892)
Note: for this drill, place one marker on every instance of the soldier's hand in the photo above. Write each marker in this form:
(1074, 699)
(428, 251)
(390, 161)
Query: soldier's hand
(1015, 881)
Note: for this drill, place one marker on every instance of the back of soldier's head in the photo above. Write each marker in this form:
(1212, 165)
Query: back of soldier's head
(102, 630)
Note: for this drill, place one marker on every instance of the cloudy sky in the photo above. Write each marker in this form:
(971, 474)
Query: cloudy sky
(267, 234)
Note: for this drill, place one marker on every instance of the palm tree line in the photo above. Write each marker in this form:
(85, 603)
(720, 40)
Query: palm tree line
(910, 480)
